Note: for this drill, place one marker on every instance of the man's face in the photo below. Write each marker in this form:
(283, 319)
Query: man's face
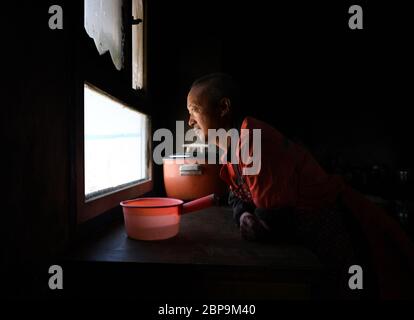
(203, 116)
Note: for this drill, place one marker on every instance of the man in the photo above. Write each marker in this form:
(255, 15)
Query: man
(293, 199)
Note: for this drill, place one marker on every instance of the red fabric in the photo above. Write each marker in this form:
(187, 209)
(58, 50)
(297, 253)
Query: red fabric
(392, 252)
(290, 176)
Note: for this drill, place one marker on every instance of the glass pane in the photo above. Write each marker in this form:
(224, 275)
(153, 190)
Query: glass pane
(103, 23)
(115, 144)
(137, 45)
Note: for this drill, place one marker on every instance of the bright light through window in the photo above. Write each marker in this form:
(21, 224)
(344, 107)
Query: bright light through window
(115, 144)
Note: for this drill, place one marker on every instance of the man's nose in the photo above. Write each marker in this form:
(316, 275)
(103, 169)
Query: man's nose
(191, 121)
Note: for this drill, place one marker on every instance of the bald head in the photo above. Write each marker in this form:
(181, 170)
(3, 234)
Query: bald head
(217, 86)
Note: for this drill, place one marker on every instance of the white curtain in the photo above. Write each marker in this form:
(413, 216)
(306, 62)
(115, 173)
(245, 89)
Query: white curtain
(103, 23)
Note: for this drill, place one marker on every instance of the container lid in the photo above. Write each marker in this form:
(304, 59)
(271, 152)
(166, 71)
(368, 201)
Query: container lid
(178, 156)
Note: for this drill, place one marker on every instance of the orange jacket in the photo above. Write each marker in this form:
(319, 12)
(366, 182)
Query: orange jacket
(289, 176)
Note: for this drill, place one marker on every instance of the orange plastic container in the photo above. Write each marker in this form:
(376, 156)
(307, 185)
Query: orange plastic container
(158, 218)
(187, 178)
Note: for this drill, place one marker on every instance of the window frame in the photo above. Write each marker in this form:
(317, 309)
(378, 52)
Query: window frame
(121, 91)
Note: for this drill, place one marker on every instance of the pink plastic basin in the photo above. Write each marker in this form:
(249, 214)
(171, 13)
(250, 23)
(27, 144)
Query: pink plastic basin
(158, 218)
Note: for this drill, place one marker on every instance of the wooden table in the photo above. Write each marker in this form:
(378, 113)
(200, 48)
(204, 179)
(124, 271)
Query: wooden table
(207, 259)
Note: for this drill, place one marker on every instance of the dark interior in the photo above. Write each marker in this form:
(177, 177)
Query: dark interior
(343, 94)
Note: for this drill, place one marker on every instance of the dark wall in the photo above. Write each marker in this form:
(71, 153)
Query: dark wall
(37, 105)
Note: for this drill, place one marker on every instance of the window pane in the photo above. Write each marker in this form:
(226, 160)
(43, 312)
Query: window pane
(137, 45)
(103, 23)
(115, 144)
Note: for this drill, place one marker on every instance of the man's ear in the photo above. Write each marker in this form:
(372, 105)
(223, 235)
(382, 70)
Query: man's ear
(225, 106)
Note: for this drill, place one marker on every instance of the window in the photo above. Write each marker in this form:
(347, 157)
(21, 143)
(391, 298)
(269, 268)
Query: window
(116, 139)
(112, 147)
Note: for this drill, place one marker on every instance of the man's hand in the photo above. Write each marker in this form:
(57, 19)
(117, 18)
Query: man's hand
(251, 227)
